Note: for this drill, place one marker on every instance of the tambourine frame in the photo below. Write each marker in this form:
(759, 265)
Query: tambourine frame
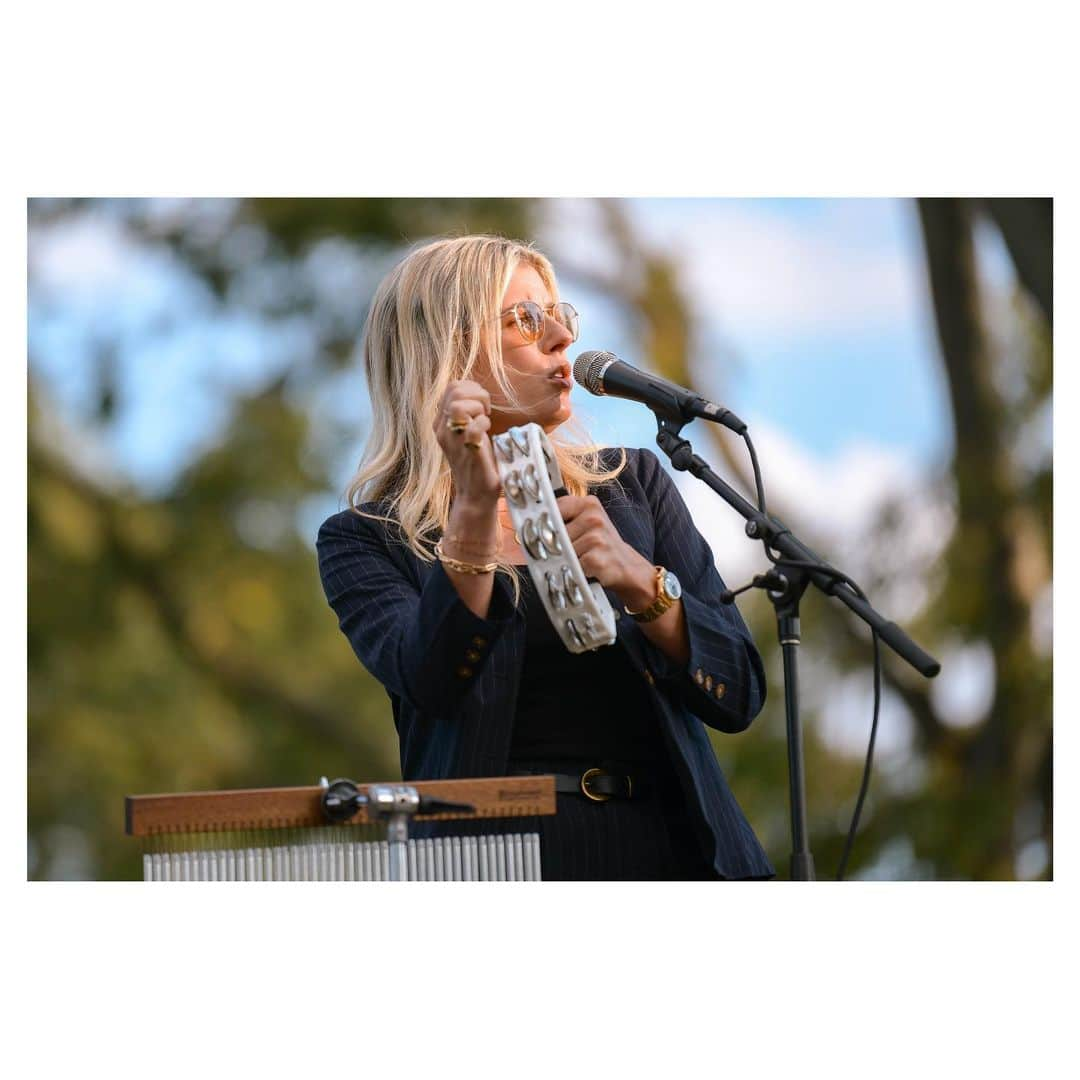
(578, 608)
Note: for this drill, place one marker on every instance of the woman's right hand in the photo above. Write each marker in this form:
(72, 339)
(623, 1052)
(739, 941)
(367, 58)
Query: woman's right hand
(476, 477)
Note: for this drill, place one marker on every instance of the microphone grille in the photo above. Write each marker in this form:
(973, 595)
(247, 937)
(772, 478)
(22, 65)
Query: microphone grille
(587, 369)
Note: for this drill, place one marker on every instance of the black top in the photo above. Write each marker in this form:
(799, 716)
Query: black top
(591, 705)
(408, 626)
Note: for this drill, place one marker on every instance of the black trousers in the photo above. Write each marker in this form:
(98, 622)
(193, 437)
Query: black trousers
(647, 838)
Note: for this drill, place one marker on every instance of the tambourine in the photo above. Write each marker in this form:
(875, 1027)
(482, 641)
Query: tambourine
(578, 608)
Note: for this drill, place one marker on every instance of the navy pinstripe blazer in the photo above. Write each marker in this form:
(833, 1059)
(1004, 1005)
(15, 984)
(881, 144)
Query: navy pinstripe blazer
(452, 676)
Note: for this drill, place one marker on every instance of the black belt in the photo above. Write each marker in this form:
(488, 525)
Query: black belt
(599, 785)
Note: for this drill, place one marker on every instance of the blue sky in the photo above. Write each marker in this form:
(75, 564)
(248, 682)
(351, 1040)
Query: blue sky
(817, 325)
(821, 316)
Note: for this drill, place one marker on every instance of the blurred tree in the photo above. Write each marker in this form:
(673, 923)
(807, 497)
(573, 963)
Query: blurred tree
(987, 789)
(180, 641)
(999, 553)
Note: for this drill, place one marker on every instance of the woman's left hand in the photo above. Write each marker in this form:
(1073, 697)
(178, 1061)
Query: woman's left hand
(604, 554)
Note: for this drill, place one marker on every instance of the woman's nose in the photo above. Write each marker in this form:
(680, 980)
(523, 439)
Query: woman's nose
(558, 338)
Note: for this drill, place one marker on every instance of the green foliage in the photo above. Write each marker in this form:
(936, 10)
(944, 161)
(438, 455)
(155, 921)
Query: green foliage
(964, 802)
(181, 641)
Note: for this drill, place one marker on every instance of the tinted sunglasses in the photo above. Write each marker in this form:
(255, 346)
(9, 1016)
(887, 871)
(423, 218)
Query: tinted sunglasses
(530, 318)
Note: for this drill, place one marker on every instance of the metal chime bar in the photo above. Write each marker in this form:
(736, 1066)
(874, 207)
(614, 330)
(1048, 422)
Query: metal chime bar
(284, 834)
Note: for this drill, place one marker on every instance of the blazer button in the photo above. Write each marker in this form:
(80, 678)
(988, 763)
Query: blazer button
(720, 690)
(464, 672)
(699, 676)
(479, 642)
(472, 655)
(708, 682)
(649, 677)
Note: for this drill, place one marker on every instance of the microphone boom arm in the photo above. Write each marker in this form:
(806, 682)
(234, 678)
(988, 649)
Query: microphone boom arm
(795, 569)
(780, 538)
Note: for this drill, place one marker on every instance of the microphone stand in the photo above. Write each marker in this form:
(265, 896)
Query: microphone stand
(785, 584)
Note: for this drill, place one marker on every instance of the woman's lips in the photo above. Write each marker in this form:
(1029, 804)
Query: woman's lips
(560, 381)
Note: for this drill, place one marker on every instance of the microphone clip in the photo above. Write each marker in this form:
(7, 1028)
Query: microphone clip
(772, 581)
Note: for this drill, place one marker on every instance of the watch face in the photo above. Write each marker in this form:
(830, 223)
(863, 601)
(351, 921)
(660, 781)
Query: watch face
(672, 586)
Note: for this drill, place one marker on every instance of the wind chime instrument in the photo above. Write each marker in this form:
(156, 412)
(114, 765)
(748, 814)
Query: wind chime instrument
(342, 831)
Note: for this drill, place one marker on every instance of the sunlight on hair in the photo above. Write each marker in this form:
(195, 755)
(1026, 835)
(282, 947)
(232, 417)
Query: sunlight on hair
(433, 319)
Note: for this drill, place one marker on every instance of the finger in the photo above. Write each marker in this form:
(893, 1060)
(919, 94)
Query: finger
(472, 462)
(571, 505)
(479, 424)
(466, 390)
(591, 519)
(581, 526)
(594, 565)
(450, 431)
(462, 410)
(475, 430)
(583, 545)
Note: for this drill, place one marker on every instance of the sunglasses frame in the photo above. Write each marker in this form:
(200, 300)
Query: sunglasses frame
(547, 312)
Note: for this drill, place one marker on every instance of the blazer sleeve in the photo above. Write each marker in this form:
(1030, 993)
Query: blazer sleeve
(722, 652)
(423, 644)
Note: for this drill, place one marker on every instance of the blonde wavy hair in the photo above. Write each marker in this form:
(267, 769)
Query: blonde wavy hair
(433, 318)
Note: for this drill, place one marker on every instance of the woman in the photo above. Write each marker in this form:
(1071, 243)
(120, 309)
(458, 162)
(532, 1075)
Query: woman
(466, 338)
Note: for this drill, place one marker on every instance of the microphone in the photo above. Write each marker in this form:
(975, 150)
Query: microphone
(603, 373)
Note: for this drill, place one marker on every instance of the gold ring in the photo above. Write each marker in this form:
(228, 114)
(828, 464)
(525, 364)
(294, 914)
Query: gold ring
(457, 425)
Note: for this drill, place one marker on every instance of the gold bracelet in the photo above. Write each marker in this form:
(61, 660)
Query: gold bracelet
(463, 567)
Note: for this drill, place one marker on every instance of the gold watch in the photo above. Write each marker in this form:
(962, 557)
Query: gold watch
(668, 590)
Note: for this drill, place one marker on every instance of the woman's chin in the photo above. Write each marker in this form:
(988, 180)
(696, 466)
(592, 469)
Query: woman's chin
(549, 416)
(556, 417)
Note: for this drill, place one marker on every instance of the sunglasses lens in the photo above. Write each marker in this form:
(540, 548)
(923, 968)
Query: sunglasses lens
(568, 317)
(530, 320)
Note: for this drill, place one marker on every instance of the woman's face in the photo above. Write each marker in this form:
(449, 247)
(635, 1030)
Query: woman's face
(538, 371)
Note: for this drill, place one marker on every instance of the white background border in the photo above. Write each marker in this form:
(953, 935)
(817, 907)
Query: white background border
(552, 99)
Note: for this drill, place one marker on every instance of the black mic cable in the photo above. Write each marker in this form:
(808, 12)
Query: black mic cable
(604, 374)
